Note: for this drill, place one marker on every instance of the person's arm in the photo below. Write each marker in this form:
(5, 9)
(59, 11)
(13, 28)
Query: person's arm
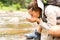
(51, 20)
(51, 17)
(44, 25)
(41, 5)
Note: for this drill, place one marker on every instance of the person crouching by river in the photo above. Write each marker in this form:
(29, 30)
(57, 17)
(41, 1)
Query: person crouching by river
(35, 12)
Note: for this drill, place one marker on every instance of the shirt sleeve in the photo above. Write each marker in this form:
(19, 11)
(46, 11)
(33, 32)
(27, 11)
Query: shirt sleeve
(40, 4)
(44, 25)
(51, 20)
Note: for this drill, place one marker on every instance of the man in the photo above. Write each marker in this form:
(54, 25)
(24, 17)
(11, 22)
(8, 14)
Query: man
(52, 12)
(34, 11)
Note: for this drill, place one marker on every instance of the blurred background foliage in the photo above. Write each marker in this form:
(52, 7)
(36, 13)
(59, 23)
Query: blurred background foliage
(15, 4)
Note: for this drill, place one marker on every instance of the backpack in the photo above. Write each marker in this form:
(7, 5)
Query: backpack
(52, 2)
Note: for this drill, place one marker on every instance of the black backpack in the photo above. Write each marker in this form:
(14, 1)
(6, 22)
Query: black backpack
(52, 2)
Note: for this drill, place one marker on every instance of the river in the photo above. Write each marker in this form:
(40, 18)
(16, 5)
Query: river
(13, 25)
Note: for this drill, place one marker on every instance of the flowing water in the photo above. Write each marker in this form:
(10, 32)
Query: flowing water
(13, 25)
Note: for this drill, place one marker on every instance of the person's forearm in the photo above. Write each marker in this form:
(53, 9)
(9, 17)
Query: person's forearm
(44, 25)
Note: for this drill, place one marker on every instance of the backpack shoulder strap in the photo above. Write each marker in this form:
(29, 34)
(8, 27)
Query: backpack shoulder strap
(44, 18)
(44, 1)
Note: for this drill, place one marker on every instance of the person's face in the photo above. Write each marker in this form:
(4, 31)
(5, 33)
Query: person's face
(34, 13)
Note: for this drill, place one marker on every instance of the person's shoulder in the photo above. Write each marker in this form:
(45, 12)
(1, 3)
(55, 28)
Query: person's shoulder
(40, 4)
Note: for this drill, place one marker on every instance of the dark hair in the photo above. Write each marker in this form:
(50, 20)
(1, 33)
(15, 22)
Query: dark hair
(34, 6)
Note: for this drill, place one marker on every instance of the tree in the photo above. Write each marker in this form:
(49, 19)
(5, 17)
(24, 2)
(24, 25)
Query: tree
(23, 3)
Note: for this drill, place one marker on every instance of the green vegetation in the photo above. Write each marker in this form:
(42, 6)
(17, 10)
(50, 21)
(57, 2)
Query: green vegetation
(14, 4)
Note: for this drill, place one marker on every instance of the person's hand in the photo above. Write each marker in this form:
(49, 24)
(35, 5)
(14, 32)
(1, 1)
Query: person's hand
(33, 19)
